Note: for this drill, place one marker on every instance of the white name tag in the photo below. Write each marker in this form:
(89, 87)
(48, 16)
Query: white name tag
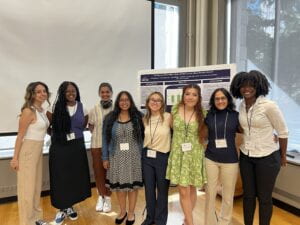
(124, 146)
(151, 153)
(185, 147)
(70, 136)
(221, 143)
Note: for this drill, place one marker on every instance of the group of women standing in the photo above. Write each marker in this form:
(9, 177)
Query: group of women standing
(130, 150)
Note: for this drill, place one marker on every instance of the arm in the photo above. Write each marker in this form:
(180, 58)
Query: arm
(171, 121)
(283, 146)
(49, 116)
(91, 121)
(86, 119)
(276, 118)
(104, 146)
(26, 118)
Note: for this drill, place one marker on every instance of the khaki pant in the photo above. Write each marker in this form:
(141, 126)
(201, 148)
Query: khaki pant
(30, 182)
(226, 174)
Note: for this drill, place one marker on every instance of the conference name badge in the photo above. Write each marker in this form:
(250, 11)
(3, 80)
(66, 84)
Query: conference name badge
(70, 136)
(151, 153)
(185, 147)
(221, 143)
(124, 146)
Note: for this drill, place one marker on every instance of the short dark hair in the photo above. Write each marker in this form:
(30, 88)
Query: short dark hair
(230, 106)
(105, 84)
(253, 78)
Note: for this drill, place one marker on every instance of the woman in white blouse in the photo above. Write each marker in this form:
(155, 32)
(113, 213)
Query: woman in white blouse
(261, 157)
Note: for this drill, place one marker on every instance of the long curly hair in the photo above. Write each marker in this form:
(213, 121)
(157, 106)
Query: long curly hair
(198, 107)
(134, 114)
(253, 78)
(30, 94)
(61, 120)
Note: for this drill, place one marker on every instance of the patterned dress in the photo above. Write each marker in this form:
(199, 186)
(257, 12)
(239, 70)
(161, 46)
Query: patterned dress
(185, 168)
(124, 172)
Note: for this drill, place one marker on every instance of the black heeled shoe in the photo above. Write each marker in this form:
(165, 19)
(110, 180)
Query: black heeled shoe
(120, 221)
(130, 222)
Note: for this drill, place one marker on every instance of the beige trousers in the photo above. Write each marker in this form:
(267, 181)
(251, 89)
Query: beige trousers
(29, 182)
(226, 175)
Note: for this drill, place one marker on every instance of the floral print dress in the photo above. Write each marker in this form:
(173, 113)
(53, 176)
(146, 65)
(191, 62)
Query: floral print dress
(185, 168)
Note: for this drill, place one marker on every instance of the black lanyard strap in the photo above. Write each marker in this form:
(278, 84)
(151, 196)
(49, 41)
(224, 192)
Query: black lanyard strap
(186, 126)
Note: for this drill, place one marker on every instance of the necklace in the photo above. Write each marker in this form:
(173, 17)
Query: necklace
(38, 108)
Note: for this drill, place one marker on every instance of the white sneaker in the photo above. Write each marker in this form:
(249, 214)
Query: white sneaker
(100, 203)
(107, 204)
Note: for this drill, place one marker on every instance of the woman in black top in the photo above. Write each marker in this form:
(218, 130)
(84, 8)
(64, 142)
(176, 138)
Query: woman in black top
(221, 157)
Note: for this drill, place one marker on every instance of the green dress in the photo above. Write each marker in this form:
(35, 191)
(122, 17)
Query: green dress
(185, 168)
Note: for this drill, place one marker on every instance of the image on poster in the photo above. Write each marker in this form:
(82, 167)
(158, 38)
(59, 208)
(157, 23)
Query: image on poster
(170, 82)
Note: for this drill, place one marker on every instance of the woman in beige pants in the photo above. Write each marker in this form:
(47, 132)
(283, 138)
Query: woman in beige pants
(221, 157)
(27, 159)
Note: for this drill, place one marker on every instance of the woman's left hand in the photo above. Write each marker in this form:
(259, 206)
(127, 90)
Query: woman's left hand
(14, 164)
(283, 161)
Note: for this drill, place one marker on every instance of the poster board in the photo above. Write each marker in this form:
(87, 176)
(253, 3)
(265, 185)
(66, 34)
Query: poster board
(170, 82)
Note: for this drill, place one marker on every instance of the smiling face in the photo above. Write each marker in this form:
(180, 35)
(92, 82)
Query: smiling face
(155, 103)
(191, 97)
(71, 94)
(220, 100)
(40, 94)
(248, 91)
(105, 93)
(124, 102)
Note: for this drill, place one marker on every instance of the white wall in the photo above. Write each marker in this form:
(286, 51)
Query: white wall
(83, 41)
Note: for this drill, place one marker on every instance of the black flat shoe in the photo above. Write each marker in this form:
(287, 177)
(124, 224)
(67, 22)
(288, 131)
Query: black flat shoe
(120, 221)
(130, 222)
(146, 222)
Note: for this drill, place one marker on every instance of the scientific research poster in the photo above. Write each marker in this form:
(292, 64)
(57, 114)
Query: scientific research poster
(171, 81)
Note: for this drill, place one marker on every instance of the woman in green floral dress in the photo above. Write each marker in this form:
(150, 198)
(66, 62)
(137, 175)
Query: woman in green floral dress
(185, 166)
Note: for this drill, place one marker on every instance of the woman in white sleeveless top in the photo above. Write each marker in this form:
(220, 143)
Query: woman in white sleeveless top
(27, 159)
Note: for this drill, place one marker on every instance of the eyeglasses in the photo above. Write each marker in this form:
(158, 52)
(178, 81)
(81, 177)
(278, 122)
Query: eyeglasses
(220, 99)
(124, 100)
(155, 100)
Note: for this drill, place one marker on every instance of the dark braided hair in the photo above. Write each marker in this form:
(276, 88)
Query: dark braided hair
(61, 121)
(135, 116)
(254, 78)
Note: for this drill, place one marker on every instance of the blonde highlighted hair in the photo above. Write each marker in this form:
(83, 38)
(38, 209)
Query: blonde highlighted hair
(30, 93)
(161, 111)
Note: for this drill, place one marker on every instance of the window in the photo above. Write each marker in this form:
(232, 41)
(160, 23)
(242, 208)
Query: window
(265, 36)
(169, 33)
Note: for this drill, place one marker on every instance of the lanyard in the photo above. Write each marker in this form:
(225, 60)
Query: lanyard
(224, 125)
(186, 126)
(152, 135)
(249, 121)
